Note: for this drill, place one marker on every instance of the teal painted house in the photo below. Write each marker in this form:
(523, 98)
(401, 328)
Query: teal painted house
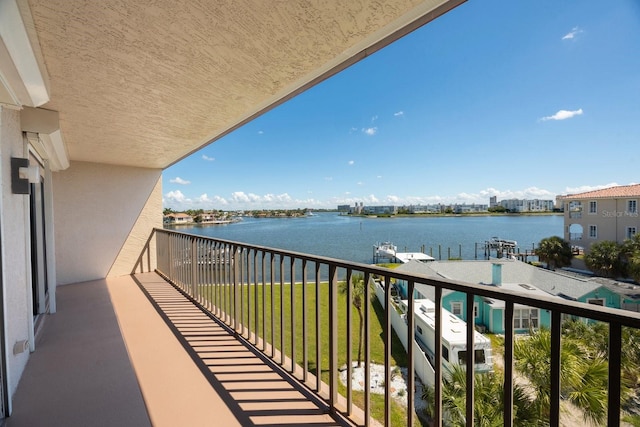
(523, 278)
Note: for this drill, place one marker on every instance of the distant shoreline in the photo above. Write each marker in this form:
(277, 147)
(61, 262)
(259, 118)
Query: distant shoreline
(473, 214)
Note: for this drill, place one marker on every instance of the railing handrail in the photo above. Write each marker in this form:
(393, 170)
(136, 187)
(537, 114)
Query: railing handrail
(576, 308)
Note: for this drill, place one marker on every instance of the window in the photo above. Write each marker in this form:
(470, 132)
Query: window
(593, 207)
(593, 231)
(419, 329)
(596, 301)
(477, 354)
(525, 318)
(445, 353)
(476, 310)
(456, 308)
(631, 231)
(632, 206)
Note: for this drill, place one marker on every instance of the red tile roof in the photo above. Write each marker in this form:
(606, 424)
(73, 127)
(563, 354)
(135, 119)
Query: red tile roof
(623, 191)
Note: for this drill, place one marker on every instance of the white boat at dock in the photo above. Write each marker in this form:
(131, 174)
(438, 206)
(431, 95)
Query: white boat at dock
(389, 251)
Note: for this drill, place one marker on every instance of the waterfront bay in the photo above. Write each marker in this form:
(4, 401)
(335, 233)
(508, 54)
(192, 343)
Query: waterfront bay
(353, 238)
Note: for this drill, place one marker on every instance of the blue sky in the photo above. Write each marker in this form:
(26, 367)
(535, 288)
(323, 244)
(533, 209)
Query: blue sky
(517, 99)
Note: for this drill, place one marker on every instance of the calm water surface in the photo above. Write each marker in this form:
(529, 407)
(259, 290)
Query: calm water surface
(353, 238)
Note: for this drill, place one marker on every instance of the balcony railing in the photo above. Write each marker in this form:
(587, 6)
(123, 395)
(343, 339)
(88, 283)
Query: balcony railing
(284, 303)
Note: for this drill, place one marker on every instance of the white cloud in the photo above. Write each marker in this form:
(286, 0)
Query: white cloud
(175, 196)
(370, 131)
(563, 115)
(398, 113)
(379, 176)
(374, 118)
(572, 34)
(393, 199)
(328, 178)
(360, 183)
(260, 132)
(207, 158)
(178, 180)
(351, 162)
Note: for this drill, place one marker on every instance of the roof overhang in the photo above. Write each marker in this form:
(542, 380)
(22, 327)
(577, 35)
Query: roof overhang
(146, 83)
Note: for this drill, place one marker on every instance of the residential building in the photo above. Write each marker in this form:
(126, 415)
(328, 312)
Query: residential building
(607, 214)
(522, 278)
(470, 208)
(379, 210)
(527, 205)
(178, 218)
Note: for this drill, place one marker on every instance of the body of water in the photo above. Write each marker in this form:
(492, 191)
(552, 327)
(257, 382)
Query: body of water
(353, 238)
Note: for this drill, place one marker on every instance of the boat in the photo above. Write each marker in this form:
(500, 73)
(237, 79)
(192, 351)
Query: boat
(385, 250)
(496, 243)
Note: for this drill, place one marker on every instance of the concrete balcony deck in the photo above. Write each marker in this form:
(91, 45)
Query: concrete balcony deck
(132, 351)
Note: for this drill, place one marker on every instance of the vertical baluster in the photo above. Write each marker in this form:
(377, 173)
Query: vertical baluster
(282, 316)
(333, 337)
(470, 401)
(293, 314)
(508, 364)
(615, 360)
(386, 331)
(367, 351)
(273, 320)
(410, 355)
(554, 413)
(438, 413)
(349, 308)
(318, 330)
(305, 355)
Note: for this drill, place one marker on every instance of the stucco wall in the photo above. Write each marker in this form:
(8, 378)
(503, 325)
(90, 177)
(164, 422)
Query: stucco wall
(15, 251)
(104, 216)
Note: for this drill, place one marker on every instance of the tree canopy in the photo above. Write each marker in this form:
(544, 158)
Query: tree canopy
(555, 251)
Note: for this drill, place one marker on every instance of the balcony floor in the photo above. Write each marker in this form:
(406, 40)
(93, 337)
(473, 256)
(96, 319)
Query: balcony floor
(132, 351)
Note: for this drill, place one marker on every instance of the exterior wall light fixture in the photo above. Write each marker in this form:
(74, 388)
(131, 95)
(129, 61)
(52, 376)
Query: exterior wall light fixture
(22, 174)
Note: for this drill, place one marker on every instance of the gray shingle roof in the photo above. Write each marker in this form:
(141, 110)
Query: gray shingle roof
(514, 272)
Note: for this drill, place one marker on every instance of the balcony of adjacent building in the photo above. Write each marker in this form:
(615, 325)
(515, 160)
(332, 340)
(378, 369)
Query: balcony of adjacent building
(225, 333)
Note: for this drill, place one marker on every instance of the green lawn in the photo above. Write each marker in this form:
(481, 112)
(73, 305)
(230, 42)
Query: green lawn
(282, 302)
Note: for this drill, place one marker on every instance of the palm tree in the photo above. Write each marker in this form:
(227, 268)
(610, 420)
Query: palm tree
(555, 251)
(357, 297)
(631, 255)
(488, 400)
(605, 258)
(583, 373)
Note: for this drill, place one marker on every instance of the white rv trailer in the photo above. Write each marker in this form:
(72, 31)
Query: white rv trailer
(454, 337)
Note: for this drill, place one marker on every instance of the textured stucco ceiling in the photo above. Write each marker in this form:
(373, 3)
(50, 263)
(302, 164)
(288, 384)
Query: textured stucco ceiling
(145, 83)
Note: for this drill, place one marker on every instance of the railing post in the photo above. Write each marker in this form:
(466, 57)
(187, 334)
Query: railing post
(194, 267)
(318, 330)
(386, 331)
(410, 355)
(367, 350)
(438, 359)
(333, 337)
(282, 316)
(305, 354)
(293, 315)
(349, 305)
(508, 364)
(470, 359)
(554, 410)
(615, 360)
(234, 297)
